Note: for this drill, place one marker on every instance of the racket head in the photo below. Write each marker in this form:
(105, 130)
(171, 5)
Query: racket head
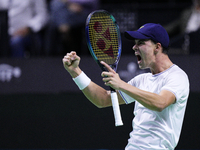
(103, 38)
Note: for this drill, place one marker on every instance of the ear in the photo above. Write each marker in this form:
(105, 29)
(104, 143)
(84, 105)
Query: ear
(158, 48)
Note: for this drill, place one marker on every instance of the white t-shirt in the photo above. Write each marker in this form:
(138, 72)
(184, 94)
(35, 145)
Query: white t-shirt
(154, 130)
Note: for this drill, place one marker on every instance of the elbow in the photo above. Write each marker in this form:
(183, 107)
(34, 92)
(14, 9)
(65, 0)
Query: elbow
(102, 105)
(157, 107)
(160, 108)
(99, 106)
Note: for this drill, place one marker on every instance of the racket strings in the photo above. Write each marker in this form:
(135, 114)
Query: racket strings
(103, 34)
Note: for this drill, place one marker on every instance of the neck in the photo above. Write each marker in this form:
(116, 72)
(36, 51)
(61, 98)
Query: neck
(161, 64)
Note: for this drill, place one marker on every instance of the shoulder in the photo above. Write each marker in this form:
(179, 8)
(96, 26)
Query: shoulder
(177, 82)
(177, 76)
(177, 73)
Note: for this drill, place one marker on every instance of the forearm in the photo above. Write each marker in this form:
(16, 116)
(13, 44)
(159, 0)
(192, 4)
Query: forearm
(97, 95)
(149, 100)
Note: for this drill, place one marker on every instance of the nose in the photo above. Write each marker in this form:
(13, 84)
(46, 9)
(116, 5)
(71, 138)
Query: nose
(135, 47)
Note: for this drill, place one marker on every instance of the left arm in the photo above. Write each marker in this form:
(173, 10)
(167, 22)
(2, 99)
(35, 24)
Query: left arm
(153, 101)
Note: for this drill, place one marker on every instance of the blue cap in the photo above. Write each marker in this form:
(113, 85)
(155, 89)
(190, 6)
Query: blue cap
(151, 31)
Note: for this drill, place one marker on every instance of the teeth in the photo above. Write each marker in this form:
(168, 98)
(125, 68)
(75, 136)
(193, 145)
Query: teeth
(137, 55)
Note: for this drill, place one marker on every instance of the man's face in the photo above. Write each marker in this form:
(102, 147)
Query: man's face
(144, 51)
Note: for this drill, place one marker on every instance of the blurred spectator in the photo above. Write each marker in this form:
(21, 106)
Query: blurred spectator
(189, 21)
(186, 29)
(25, 19)
(68, 18)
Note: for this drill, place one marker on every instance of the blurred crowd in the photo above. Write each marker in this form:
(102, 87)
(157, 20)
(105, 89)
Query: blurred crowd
(55, 27)
(46, 27)
(184, 31)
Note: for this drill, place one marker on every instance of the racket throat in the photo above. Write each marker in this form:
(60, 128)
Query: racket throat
(112, 90)
(103, 68)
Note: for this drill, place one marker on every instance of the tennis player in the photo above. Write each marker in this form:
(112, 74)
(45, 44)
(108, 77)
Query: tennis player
(160, 96)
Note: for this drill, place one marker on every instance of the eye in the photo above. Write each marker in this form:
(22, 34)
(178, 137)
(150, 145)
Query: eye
(140, 42)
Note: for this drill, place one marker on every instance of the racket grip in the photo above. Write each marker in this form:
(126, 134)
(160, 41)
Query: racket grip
(116, 110)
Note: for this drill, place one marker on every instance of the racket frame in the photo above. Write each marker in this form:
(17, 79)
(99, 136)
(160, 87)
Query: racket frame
(115, 64)
(117, 114)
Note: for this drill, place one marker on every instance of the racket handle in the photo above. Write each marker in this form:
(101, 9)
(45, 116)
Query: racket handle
(116, 110)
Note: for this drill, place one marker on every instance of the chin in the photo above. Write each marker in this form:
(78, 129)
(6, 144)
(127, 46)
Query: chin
(142, 67)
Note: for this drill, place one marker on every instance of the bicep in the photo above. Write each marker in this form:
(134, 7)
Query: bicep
(168, 96)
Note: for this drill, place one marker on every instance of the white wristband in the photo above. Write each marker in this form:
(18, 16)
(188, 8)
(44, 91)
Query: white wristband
(82, 81)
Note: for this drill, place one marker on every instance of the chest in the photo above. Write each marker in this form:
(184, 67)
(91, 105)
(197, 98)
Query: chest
(152, 84)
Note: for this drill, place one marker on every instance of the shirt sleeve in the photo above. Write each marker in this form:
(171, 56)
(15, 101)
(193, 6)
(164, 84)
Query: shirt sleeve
(178, 84)
(128, 99)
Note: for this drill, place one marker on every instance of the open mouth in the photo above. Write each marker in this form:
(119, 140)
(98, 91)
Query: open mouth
(139, 58)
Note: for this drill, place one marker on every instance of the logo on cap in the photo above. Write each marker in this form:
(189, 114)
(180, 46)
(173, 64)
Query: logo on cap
(141, 27)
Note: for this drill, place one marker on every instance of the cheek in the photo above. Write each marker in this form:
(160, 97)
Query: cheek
(149, 52)
(148, 57)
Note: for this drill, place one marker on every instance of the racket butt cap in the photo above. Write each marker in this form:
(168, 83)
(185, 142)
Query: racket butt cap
(118, 123)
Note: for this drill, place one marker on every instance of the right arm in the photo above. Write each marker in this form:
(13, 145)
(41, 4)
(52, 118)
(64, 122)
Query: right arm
(96, 94)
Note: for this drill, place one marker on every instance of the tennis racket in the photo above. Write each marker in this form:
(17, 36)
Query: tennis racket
(104, 42)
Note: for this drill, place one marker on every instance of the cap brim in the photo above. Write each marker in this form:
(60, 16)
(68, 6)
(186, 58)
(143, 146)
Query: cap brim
(131, 35)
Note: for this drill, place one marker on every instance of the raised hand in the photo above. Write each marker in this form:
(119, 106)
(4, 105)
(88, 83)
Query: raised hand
(110, 77)
(71, 63)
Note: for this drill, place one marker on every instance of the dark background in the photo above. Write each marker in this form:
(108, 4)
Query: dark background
(43, 109)
(70, 121)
